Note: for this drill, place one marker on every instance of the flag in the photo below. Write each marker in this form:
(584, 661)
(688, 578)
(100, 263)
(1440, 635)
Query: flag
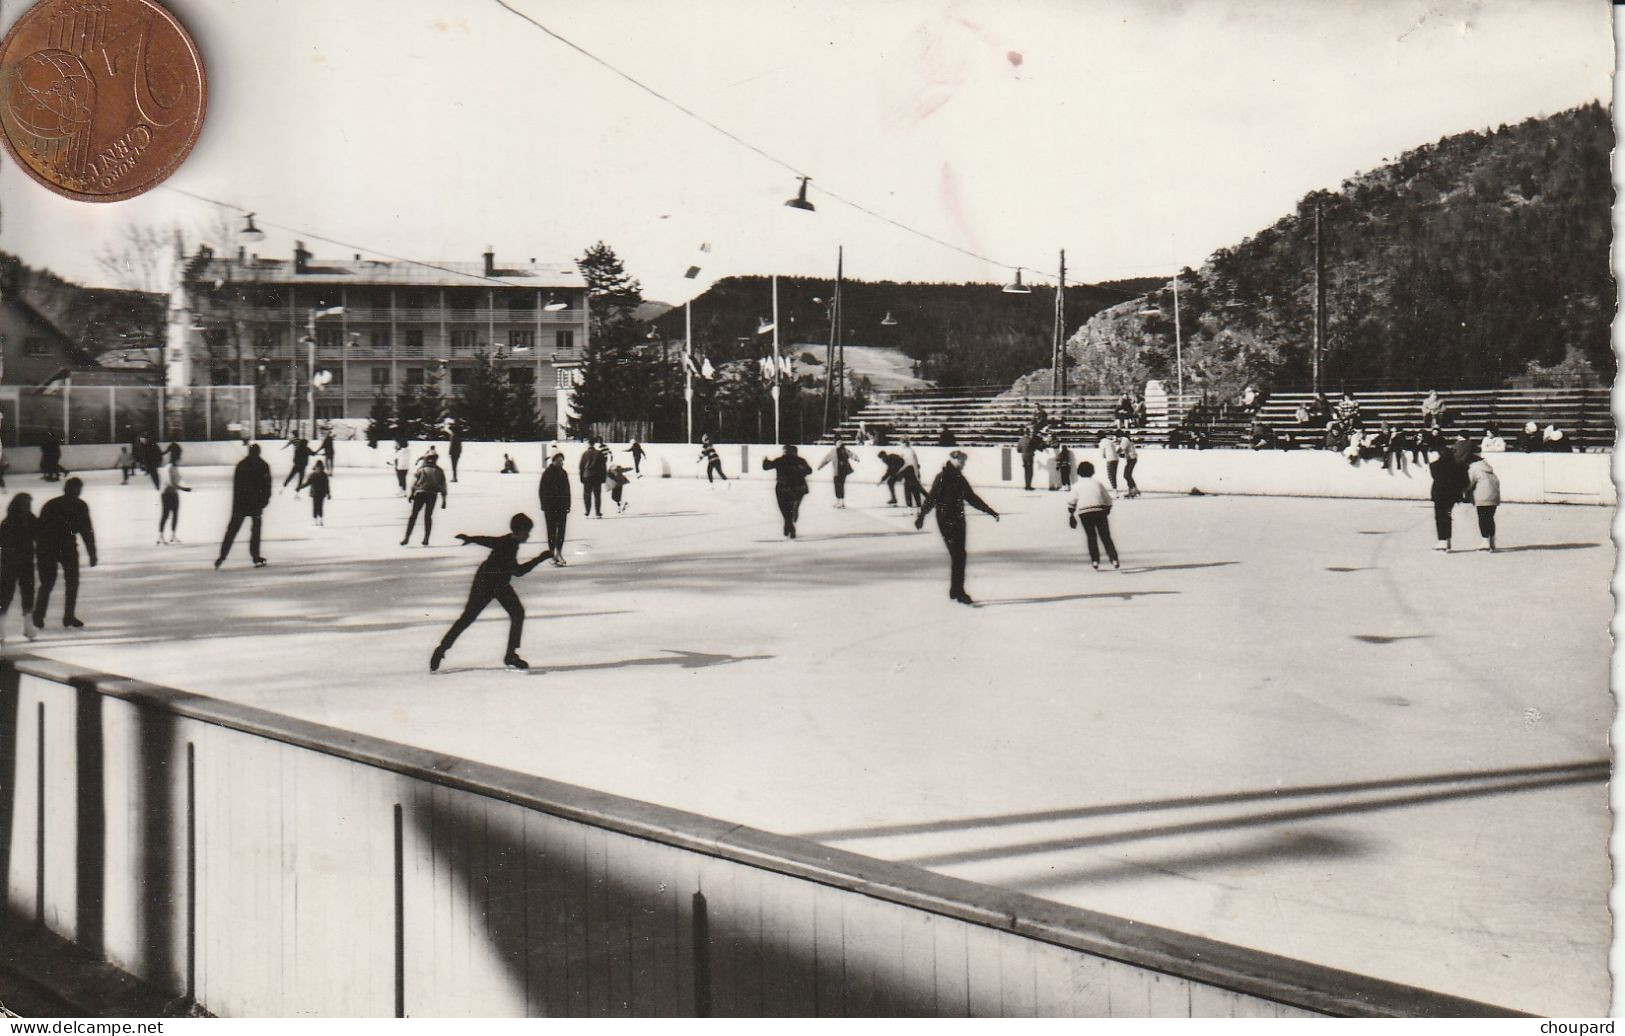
(693, 272)
(765, 326)
(787, 367)
(769, 368)
(688, 365)
(707, 371)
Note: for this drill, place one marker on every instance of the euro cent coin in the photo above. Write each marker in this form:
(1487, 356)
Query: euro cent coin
(100, 100)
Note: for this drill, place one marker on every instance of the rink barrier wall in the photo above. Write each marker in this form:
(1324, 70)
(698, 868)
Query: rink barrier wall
(266, 866)
(1526, 478)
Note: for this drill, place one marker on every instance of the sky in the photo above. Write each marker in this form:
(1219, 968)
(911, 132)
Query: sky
(1138, 136)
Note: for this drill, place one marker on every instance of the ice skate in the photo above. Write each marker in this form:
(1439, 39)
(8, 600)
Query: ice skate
(514, 662)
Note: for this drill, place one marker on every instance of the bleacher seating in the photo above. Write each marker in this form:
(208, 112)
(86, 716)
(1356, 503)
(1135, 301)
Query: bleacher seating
(987, 417)
(1582, 413)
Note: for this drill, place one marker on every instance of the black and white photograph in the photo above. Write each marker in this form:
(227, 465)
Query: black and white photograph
(834, 509)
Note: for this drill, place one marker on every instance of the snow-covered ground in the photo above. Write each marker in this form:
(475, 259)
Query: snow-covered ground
(1285, 723)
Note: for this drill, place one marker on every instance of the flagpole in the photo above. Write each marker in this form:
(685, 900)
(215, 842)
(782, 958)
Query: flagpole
(776, 437)
(688, 366)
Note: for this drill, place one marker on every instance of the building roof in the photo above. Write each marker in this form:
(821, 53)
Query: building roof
(450, 274)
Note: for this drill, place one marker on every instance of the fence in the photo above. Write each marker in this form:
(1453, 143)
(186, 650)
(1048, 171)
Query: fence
(264, 866)
(102, 414)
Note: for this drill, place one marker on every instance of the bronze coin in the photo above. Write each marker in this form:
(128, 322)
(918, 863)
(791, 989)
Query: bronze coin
(100, 100)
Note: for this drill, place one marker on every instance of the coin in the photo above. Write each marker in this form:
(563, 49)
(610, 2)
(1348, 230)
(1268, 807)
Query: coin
(100, 100)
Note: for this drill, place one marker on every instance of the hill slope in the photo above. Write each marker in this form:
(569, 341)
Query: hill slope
(1477, 261)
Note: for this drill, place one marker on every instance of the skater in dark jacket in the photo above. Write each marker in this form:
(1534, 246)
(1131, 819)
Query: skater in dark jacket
(250, 492)
(637, 452)
(894, 474)
(50, 459)
(428, 483)
(455, 452)
(493, 581)
(63, 522)
(17, 561)
(791, 472)
(301, 460)
(713, 463)
(1449, 486)
(554, 494)
(948, 496)
(593, 470)
(320, 491)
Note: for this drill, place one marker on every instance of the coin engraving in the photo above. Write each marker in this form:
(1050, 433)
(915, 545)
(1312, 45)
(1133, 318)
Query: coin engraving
(100, 99)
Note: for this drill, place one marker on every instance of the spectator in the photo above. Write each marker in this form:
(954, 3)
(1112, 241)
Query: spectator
(1141, 418)
(1433, 410)
(1262, 436)
(1320, 410)
(1250, 401)
(1556, 441)
(1302, 416)
(1337, 437)
(1399, 442)
(946, 437)
(1492, 443)
(1123, 413)
(1348, 411)
(1529, 440)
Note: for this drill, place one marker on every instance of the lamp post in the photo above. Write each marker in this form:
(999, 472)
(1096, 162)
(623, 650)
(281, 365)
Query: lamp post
(310, 341)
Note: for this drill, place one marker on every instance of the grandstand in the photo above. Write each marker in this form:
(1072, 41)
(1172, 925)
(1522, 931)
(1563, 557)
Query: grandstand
(988, 416)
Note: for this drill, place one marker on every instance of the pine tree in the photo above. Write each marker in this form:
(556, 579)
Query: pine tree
(381, 422)
(614, 384)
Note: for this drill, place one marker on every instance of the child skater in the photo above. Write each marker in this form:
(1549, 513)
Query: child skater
(617, 485)
(321, 488)
(17, 562)
(170, 503)
(1091, 504)
(493, 581)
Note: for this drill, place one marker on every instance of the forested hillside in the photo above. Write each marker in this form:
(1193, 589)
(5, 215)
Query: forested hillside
(1477, 261)
(960, 334)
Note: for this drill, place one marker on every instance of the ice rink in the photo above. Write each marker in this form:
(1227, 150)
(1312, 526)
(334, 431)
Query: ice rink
(1286, 723)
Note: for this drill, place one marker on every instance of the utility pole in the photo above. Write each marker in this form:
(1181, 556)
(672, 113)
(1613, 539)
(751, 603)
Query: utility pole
(1058, 346)
(829, 351)
(836, 316)
(1320, 298)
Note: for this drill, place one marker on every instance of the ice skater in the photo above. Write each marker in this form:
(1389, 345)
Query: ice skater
(713, 463)
(637, 452)
(17, 533)
(1108, 453)
(617, 486)
(1090, 505)
(493, 581)
(455, 451)
(508, 466)
(1131, 457)
(401, 464)
(329, 453)
(950, 492)
(169, 500)
(593, 470)
(428, 483)
(125, 464)
(1449, 487)
(791, 472)
(50, 459)
(553, 493)
(321, 489)
(63, 522)
(893, 475)
(913, 492)
(843, 461)
(250, 493)
(1484, 490)
(301, 460)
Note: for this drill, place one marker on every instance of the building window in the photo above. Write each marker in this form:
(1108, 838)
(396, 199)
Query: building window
(459, 375)
(414, 375)
(329, 337)
(329, 411)
(269, 298)
(566, 377)
(521, 376)
(380, 377)
(414, 339)
(564, 341)
(518, 340)
(266, 339)
(380, 338)
(35, 346)
(409, 299)
(464, 340)
(380, 298)
(521, 300)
